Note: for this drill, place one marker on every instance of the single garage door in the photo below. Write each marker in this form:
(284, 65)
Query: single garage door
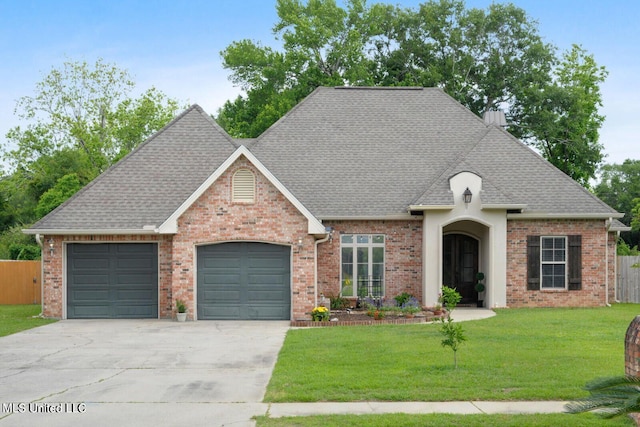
(245, 281)
(112, 280)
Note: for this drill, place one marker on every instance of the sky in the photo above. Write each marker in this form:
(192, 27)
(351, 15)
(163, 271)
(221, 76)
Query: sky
(175, 47)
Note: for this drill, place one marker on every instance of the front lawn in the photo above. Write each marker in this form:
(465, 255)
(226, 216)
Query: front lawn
(520, 354)
(16, 318)
(445, 420)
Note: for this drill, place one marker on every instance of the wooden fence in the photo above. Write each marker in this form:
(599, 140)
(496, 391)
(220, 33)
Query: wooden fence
(20, 282)
(628, 289)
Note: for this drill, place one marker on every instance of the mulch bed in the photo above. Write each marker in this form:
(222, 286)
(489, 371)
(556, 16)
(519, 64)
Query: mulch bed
(357, 317)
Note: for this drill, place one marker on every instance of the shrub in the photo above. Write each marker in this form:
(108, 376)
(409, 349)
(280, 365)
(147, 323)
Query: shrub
(402, 298)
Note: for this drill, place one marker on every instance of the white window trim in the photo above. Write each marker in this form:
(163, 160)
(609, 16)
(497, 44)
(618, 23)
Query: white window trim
(369, 245)
(565, 263)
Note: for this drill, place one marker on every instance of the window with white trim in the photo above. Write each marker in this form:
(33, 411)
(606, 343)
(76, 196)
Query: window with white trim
(362, 265)
(553, 262)
(243, 186)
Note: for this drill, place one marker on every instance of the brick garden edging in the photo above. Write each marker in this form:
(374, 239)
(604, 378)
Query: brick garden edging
(398, 321)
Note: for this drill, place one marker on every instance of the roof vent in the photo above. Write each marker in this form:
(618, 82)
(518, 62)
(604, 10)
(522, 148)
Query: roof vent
(495, 118)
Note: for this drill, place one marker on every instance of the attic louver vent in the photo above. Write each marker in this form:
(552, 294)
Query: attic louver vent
(244, 186)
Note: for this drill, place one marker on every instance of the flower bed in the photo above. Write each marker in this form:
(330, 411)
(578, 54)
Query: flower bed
(358, 317)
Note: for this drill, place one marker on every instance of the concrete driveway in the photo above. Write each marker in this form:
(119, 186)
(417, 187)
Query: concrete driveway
(137, 372)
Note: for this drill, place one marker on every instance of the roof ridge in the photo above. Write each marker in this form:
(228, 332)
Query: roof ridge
(449, 166)
(119, 163)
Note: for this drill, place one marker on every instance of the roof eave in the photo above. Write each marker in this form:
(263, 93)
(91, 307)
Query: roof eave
(86, 231)
(550, 215)
(431, 207)
(505, 206)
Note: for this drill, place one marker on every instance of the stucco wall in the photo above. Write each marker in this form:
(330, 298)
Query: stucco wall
(594, 263)
(403, 255)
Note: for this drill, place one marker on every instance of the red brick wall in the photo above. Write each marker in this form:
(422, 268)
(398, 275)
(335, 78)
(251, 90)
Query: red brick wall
(403, 255)
(52, 266)
(272, 219)
(594, 262)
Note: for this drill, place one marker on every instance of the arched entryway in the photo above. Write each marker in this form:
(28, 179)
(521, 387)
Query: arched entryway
(460, 259)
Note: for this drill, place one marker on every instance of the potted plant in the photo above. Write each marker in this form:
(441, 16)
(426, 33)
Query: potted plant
(479, 287)
(182, 310)
(437, 309)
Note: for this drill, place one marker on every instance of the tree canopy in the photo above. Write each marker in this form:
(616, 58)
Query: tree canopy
(486, 59)
(80, 120)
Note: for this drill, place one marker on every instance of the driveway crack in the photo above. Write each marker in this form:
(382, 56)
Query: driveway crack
(82, 385)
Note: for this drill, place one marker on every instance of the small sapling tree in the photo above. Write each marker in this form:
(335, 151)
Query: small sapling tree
(452, 332)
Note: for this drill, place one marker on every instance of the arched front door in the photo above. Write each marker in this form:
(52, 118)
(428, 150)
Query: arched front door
(460, 265)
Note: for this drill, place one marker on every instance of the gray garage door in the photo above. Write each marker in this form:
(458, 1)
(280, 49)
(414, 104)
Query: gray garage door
(243, 280)
(112, 280)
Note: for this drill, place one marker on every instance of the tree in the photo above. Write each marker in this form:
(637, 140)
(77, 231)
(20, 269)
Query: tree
(561, 118)
(619, 185)
(88, 109)
(486, 59)
(452, 332)
(323, 45)
(80, 121)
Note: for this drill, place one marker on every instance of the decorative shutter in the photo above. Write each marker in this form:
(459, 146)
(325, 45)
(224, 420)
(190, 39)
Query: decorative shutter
(244, 186)
(533, 263)
(575, 263)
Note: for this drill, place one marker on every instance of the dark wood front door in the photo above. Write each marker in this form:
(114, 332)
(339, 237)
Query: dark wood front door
(460, 265)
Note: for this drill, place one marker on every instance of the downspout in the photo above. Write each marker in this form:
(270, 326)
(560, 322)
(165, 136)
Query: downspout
(315, 265)
(606, 279)
(615, 267)
(39, 242)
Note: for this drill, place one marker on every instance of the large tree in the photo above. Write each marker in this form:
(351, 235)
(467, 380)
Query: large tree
(80, 120)
(88, 108)
(486, 59)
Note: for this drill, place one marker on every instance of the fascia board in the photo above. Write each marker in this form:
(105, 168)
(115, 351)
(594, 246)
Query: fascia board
(170, 226)
(503, 206)
(430, 207)
(84, 232)
(547, 215)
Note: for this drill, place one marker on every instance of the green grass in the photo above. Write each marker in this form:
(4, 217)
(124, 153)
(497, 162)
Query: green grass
(444, 420)
(520, 354)
(16, 318)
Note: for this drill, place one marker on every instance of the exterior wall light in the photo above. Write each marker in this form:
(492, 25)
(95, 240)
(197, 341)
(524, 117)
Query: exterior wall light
(466, 196)
(51, 245)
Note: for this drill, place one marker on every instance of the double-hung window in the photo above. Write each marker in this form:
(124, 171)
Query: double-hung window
(554, 262)
(362, 265)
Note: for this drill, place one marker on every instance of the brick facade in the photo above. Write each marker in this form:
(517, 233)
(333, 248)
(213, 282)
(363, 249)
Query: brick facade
(403, 255)
(594, 263)
(215, 218)
(52, 269)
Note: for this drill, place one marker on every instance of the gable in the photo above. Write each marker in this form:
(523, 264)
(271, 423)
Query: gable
(171, 224)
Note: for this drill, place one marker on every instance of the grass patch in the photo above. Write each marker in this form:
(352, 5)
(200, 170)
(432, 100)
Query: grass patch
(444, 420)
(520, 354)
(16, 318)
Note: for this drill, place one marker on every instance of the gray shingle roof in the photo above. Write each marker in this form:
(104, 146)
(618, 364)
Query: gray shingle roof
(372, 152)
(342, 152)
(148, 185)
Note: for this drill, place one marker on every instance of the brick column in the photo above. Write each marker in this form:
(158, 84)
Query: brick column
(632, 349)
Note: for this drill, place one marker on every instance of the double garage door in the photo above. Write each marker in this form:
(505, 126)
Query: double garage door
(240, 280)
